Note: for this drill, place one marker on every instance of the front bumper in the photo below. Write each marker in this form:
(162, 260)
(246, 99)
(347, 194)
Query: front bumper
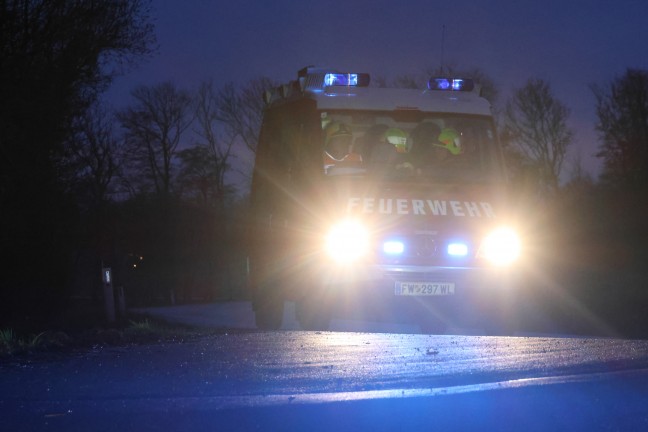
(464, 278)
(480, 294)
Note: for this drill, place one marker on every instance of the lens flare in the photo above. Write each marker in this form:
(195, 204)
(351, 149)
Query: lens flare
(501, 247)
(347, 241)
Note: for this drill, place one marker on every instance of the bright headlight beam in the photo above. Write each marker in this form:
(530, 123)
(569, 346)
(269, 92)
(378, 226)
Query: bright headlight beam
(501, 247)
(393, 247)
(457, 249)
(347, 241)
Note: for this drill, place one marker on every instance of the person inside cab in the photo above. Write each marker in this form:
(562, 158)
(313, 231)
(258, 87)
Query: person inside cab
(391, 153)
(371, 138)
(338, 148)
(434, 148)
(449, 140)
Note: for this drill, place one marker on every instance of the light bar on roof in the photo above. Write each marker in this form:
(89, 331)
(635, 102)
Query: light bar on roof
(451, 84)
(346, 79)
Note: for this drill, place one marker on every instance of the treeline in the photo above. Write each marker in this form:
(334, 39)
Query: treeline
(144, 191)
(56, 58)
(161, 186)
(156, 190)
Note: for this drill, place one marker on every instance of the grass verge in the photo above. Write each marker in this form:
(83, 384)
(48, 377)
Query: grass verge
(136, 330)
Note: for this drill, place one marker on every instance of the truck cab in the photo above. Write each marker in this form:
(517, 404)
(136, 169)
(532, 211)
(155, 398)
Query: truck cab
(379, 199)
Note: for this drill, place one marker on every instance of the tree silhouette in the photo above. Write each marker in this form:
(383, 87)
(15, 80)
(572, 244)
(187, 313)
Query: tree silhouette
(154, 127)
(622, 111)
(95, 154)
(537, 124)
(56, 56)
(216, 141)
(202, 176)
(241, 110)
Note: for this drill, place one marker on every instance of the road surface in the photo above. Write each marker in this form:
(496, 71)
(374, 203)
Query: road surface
(296, 380)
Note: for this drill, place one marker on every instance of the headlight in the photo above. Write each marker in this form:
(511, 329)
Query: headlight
(393, 247)
(347, 241)
(457, 249)
(501, 247)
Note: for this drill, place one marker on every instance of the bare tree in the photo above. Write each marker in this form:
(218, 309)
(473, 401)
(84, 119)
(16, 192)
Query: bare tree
(579, 180)
(537, 125)
(216, 137)
(517, 164)
(154, 128)
(56, 56)
(410, 82)
(622, 110)
(95, 154)
(199, 175)
(242, 110)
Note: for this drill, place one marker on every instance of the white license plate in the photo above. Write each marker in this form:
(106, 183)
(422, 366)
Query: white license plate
(424, 288)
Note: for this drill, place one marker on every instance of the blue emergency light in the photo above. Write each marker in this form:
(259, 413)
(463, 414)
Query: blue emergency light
(393, 247)
(451, 84)
(346, 79)
(457, 249)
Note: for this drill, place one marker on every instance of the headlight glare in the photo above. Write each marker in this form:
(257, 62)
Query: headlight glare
(501, 247)
(347, 241)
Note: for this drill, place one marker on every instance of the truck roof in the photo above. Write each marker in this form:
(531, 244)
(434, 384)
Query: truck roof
(332, 90)
(390, 99)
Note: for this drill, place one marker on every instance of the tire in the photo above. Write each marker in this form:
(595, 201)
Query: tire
(269, 314)
(313, 316)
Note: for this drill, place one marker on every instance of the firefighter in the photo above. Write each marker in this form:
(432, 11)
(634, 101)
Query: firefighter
(390, 154)
(338, 148)
(434, 147)
(450, 140)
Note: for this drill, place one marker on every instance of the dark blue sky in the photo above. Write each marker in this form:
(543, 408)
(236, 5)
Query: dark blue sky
(571, 44)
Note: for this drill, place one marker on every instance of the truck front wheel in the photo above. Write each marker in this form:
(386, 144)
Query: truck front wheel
(313, 315)
(269, 313)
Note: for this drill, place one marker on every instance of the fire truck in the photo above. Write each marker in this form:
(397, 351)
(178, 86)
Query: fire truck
(383, 203)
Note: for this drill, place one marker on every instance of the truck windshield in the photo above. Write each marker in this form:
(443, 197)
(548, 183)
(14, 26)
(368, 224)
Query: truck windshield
(437, 148)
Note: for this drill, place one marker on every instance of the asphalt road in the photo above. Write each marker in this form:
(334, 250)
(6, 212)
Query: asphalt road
(294, 380)
(239, 315)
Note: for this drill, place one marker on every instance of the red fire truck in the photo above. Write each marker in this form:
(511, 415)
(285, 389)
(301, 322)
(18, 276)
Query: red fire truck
(388, 201)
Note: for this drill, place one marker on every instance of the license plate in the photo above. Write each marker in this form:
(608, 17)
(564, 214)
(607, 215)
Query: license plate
(424, 288)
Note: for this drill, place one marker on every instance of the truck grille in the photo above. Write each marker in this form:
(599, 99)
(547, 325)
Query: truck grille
(421, 247)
